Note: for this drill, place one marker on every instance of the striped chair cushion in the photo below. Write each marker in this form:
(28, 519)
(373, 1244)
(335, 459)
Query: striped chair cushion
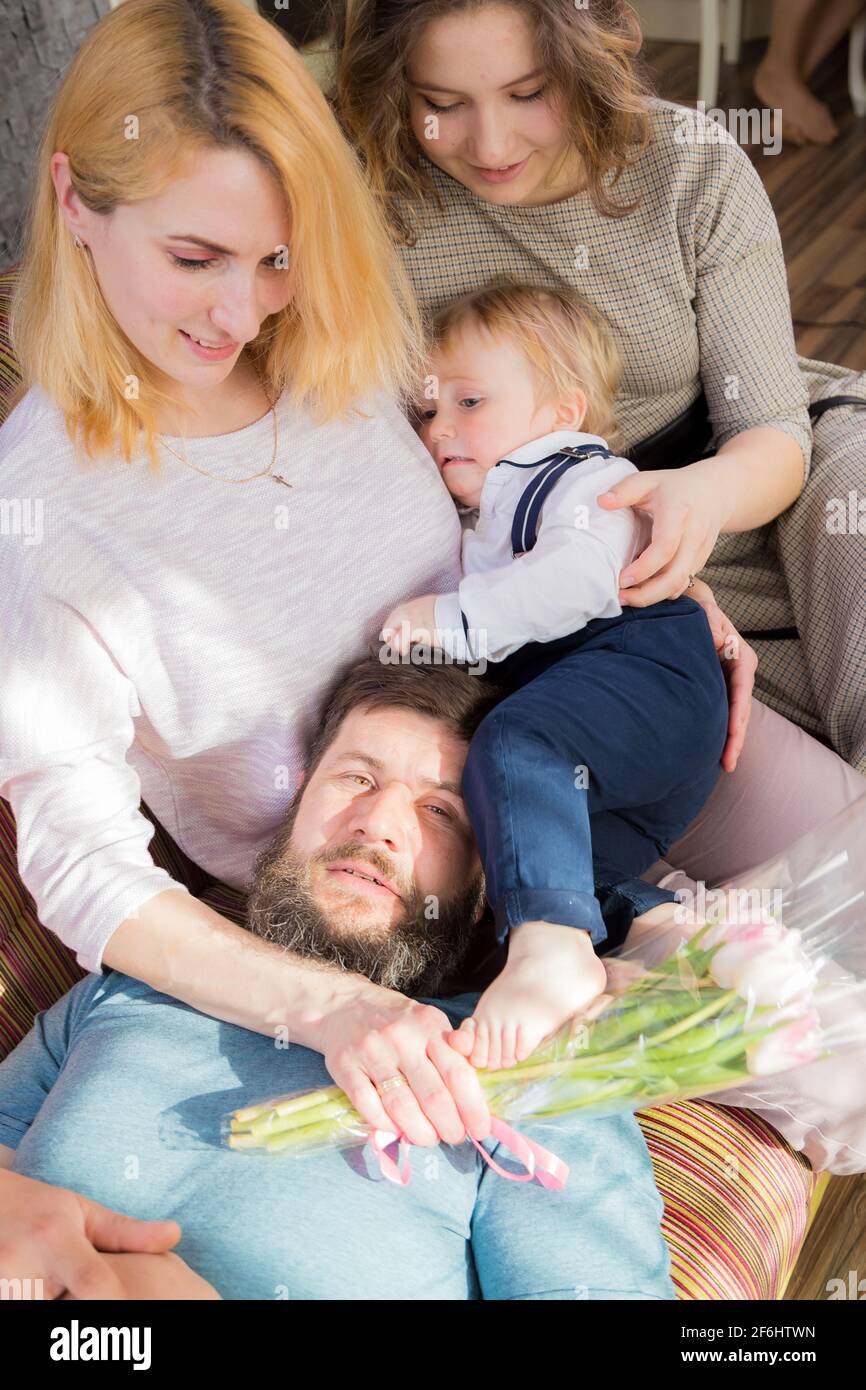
(35, 967)
(736, 1196)
(737, 1199)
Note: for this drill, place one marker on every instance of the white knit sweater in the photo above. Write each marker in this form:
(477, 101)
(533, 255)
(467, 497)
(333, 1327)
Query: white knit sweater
(169, 639)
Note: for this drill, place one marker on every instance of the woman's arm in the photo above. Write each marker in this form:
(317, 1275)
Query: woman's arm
(732, 260)
(183, 948)
(759, 473)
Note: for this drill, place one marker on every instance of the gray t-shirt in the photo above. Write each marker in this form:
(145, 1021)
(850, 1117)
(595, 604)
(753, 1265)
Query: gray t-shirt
(118, 1092)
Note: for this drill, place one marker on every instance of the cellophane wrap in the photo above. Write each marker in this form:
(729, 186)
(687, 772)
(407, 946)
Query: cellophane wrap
(757, 976)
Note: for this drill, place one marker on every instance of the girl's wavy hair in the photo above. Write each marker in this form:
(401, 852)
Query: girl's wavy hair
(590, 56)
(567, 343)
(201, 75)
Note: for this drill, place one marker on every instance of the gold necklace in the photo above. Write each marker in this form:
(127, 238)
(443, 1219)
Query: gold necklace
(262, 473)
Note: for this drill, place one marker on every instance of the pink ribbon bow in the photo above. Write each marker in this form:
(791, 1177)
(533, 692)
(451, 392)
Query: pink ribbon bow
(539, 1162)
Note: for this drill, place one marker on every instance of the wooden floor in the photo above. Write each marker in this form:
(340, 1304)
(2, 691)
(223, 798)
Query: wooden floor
(819, 196)
(835, 1245)
(818, 193)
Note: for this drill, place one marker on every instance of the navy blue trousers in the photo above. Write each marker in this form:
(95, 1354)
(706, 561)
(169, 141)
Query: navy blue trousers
(604, 753)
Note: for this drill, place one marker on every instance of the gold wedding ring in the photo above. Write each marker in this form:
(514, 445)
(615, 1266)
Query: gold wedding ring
(390, 1084)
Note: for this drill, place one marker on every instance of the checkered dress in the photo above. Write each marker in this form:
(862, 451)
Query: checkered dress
(694, 285)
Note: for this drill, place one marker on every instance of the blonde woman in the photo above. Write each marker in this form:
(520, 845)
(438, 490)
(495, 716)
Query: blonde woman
(215, 335)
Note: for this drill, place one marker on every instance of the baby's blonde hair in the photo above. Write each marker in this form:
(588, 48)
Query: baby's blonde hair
(567, 342)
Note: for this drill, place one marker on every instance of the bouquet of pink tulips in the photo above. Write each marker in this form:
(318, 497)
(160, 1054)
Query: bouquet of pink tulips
(764, 974)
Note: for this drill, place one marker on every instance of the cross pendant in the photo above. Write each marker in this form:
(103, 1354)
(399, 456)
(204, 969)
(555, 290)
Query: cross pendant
(277, 479)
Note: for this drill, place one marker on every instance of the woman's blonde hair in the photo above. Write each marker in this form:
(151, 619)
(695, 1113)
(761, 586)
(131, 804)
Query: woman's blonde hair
(197, 75)
(567, 343)
(590, 57)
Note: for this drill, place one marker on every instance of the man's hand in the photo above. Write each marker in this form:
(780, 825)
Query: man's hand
(410, 622)
(387, 1035)
(55, 1235)
(157, 1277)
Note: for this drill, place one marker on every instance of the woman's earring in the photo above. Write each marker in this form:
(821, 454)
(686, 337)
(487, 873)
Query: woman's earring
(78, 242)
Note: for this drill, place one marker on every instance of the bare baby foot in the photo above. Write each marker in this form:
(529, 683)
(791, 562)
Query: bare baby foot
(552, 973)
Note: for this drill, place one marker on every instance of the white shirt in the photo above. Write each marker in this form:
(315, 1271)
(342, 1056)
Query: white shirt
(170, 639)
(572, 574)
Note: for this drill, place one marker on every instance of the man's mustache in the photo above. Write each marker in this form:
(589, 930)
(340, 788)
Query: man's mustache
(406, 889)
(416, 951)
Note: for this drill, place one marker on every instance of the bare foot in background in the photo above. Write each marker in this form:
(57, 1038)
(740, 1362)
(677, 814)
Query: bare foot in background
(804, 117)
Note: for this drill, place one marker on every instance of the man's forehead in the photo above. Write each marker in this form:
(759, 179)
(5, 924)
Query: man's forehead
(394, 737)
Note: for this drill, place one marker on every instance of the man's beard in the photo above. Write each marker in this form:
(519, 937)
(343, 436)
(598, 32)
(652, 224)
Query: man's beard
(413, 954)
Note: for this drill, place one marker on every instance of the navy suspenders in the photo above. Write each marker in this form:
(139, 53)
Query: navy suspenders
(524, 527)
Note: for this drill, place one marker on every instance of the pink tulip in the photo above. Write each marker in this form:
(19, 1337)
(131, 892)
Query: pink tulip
(726, 931)
(777, 977)
(793, 1046)
(741, 944)
(765, 964)
(758, 1020)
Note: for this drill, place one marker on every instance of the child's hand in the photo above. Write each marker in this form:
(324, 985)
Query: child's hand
(552, 973)
(411, 622)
